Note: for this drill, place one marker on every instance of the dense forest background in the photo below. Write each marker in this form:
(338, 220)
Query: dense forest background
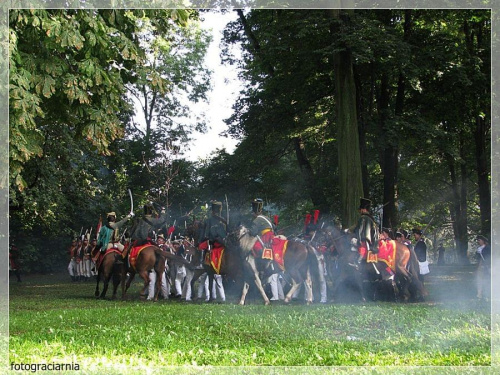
(392, 105)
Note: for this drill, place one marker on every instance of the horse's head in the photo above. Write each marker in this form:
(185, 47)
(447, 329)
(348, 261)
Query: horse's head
(241, 238)
(333, 237)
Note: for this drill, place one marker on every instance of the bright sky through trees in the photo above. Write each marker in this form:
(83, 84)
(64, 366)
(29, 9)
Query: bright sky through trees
(225, 86)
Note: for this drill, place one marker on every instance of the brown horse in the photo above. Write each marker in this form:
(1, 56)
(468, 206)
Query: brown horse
(111, 266)
(347, 266)
(151, 257)
(231, 264)
(299, 261)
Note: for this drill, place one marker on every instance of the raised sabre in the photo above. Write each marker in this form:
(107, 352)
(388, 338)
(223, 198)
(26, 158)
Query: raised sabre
(131, 201)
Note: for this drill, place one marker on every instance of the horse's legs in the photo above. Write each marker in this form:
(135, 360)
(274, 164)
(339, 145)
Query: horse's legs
(144, 274)
(107, 276)
(126, 285)
(258, 283)
(116, 282)
(308, 287)
(244, 292)
(96, 293)
(292, 290)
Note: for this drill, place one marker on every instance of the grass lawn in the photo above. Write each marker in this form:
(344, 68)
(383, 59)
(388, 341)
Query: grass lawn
(55, 320)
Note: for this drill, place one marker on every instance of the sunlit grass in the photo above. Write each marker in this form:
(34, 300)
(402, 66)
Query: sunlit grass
(63, 322)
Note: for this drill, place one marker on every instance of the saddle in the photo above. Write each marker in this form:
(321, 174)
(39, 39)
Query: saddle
(275, 252)
(135, 251)
(100, 256)
(386, 253)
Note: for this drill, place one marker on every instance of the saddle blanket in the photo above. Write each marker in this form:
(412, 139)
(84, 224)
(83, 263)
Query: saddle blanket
(100, 256)
(276, 252)
(214, 257)
(134, 253)
(386, 253)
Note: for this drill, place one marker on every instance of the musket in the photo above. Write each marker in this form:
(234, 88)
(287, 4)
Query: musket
(427, 226)
(227, 212)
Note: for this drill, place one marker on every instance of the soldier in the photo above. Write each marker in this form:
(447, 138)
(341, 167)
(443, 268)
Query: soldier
(165, 288)
(261, 226)
(87, 260)
(214, 231)
(366, 231)
(421, 253)
(72, 259)
(310, 235)
(108, 236)
(483, 272)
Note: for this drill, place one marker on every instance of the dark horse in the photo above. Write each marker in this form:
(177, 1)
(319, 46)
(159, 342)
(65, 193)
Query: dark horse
(231, 264)
(111, 266)
(343, 263)
(299, 262)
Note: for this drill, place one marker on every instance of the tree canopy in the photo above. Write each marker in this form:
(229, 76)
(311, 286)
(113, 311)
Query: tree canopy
(393, 105)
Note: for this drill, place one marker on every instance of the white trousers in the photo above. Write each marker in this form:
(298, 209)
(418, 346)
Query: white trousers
(217, 287)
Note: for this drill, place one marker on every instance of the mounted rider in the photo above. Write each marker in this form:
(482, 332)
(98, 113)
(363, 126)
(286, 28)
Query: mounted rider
(262, 228)
(214, 232)
(108, 236)
(366, 231)
(143, 231)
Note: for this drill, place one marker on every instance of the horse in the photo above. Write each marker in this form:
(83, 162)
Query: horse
(110, 265)
(231, 263)
(148, 258)
(299, 258)
(405, 267)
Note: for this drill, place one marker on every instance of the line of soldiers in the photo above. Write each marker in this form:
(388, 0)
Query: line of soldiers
(81, 267)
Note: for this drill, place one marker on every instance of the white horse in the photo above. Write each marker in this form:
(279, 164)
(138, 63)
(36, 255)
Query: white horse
(298, 259)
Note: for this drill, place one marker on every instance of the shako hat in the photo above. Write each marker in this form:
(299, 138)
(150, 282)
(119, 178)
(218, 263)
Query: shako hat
(481, 237)
(364, 203)
(216, 206)
(257, 205)
(148, 208)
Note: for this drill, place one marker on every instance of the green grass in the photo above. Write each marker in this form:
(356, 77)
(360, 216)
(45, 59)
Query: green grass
(59, 321)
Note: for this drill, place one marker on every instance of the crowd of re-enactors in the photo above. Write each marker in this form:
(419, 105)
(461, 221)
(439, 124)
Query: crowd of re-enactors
(176, 280)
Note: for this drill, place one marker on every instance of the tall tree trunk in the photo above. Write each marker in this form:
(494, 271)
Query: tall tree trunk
(317, 197)
(483, 175)
(351, 185)
(458, 207)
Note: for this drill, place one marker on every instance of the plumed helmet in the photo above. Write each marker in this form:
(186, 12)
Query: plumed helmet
(257, 205)
(148, 208)
(216, 207)
(364, 203)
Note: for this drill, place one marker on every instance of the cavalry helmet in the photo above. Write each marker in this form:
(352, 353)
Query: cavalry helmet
(257, 205)
(148, 208)
(364, 203)
(216, 207)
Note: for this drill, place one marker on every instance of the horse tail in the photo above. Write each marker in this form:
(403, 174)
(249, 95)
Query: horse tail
(312, 263)
(174, 258)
